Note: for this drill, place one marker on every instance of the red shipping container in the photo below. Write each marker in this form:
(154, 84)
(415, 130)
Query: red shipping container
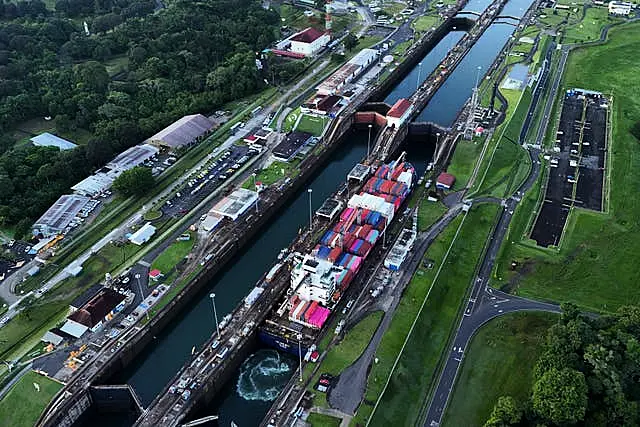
(347, 280)
(310, 311)
(334, 254)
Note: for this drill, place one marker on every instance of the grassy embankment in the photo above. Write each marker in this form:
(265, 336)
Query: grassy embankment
(343, 353)
(442, 291)
(596, 264)
(319, 420)
(171, 257)
(506, 164)
(498, 362)
(22, 406)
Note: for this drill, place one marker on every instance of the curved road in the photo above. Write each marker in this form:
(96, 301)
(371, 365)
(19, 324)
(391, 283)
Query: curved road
(486, 303)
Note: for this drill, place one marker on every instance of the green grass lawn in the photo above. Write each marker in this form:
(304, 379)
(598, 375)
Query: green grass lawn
(355, 341)
(429, 213)
(550, 19)
(319, 420)
(509, 162)
(22, 406)
(116, 65)
(291, 119)
(311, 124)
(426, 22)
(275, 172)
(170, 257)
(410, 382)
(463, 161)
(590, 27)
(499, 362)
(596, 267)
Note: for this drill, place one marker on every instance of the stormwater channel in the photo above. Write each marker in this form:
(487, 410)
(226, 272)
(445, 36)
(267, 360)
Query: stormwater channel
(246, 398)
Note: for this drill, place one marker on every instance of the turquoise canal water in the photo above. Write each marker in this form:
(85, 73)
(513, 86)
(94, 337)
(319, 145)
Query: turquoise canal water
(246, 398)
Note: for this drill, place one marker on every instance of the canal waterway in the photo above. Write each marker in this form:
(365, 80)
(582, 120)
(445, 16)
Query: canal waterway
(245, 398)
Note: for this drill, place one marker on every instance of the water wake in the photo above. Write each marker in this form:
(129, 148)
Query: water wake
(263, 375)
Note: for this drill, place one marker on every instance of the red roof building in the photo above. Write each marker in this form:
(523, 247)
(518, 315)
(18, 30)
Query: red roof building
(309, 42)
(445, 181)
(155, 274)
(249, 139)
(308, 36)
(399, 112)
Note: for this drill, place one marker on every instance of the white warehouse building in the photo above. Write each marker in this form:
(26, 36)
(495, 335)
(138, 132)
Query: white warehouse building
(309, 42)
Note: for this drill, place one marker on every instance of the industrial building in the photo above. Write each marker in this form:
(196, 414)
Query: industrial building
(399, 113)
(132, 157)
(59, 215)
(185, 131)
(49, 140)
(103, 179)
(143, 234)
(349, 71)
(291, 145)
(95, 313)
(309, 41)
(235, 204)
(322, 105)
(93, 185)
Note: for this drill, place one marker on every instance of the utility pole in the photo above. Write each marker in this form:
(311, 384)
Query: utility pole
(215, 313)
(419, 71)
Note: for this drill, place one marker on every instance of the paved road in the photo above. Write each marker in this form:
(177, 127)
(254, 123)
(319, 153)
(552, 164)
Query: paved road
(347, 394)
(14, 380)
(485, 303)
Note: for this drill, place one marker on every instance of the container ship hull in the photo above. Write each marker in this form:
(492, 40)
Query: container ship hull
(319, 278)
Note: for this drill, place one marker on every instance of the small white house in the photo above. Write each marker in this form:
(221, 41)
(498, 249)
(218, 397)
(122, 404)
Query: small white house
(309, 42)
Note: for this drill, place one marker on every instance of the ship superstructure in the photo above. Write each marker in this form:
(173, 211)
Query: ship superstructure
(319, 279)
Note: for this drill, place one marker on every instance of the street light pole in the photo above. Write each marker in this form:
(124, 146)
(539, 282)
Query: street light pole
(369, 141)
(478, 76)
(300, 354)
(419, 71)
(215, 313)
(137, 276)
(310, 209)
(384, 234)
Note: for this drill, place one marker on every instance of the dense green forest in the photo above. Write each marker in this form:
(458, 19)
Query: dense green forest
(588, 374)
(183, 57)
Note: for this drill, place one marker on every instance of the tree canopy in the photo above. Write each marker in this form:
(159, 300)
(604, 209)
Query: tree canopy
(184, 58)
(587, 374)
(134, 182)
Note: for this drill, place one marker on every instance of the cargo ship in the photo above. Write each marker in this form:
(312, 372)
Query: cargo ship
(319, 278)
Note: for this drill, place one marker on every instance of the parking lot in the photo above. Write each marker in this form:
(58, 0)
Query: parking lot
(207, 179)
(576, 165)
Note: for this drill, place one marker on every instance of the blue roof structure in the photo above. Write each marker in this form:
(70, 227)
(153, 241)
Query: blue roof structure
(49, 140)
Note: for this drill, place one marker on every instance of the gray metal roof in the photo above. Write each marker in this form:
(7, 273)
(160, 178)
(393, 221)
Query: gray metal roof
(182, 132)
(49, 140)
(62, 211)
